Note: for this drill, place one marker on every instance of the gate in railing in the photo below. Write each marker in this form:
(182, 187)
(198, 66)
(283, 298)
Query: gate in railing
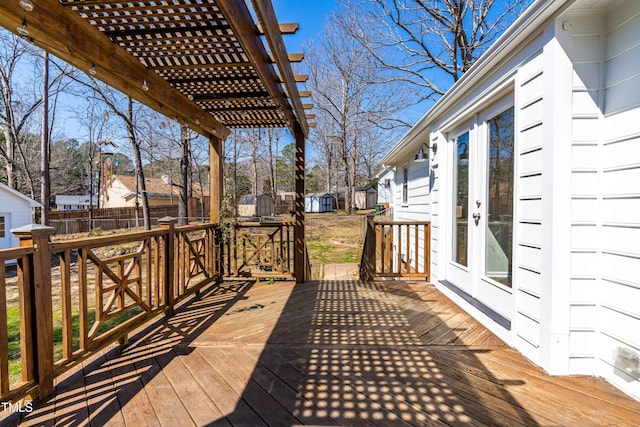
(396, 249)
(97, 291)
(256, 249)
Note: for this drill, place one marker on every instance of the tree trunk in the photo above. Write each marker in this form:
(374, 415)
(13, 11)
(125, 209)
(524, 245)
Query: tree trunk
(138, 165)
(45, 188)
(183, 202)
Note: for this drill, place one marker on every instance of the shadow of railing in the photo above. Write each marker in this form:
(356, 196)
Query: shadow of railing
(339, 353)
(95, 394)
(356, 353)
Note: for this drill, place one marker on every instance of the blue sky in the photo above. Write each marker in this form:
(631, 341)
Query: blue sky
(309, 14)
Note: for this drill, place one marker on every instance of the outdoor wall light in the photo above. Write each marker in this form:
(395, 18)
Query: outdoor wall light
(423, 153)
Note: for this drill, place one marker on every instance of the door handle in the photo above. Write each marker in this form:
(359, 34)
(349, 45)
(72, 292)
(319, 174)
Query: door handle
(476, 216)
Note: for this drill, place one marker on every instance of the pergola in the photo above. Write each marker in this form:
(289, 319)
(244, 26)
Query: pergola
(200, 62)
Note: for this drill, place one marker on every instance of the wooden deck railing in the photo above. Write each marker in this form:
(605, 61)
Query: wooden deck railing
(97, 291)
(396, 249)
(259, 250)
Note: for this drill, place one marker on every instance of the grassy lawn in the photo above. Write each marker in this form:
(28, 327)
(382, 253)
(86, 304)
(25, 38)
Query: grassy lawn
(333, 238)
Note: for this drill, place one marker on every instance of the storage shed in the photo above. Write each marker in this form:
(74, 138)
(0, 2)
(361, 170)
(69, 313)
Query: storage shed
(252, 205)
(318, 203)
(366, 197)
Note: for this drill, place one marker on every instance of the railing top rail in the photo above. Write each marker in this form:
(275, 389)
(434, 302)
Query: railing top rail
(264, 224)
(13, 253)
(196, 227)
(95, 242)
(388, 222)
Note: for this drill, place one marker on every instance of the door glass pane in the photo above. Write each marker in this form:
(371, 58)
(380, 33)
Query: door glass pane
(461, 192)
(499, 224)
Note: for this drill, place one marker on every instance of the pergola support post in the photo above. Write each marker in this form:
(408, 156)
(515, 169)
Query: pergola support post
(216, 175)
(300, 254)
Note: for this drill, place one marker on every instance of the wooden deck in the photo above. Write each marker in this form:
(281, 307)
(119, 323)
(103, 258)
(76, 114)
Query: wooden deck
(323, 353)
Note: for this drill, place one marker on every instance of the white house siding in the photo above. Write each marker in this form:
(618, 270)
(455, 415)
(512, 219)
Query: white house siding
(17, 212)
(386, 192)
(619, 176)
(417, 207)
(583, 43)
(528, 219)
(576, 260)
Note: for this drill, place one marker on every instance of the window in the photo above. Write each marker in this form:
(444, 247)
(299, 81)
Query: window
(405, 186)
(461, 199)
(2, 231)
(500, 179)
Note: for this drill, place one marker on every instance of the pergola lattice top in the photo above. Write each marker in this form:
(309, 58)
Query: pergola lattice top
(208, 51)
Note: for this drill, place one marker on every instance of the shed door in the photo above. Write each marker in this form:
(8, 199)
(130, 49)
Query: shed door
(5, 233)
(326, 204)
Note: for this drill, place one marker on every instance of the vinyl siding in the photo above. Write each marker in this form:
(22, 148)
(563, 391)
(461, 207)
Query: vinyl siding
(418, 207)
(622, 77)
(605, 195)
(586, 41)
(19, 212)
(528, 233)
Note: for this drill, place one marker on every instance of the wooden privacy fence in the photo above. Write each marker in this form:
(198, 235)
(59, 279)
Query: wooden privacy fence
(396, 249)
(63, 301)
(68, 222)
(259, 250)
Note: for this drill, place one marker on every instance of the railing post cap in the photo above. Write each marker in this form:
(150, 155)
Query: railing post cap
(167, 220)
(32, 230)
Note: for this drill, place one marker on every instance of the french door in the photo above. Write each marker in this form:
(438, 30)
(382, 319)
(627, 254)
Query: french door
(482, 189)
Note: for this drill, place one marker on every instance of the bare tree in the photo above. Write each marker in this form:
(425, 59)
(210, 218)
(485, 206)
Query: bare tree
(18, 103)
(349, 100)
(115, 102)
(134, 142)
(429, 43)
(273, 146)
(185, 172)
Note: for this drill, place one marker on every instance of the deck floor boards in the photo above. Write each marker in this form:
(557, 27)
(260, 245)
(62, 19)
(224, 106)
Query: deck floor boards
(324, 353)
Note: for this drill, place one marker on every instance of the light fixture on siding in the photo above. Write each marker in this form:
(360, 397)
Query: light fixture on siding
(423, 153)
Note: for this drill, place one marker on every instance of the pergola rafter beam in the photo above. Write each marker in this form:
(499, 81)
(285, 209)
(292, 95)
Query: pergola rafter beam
(239, 18)
(267, 19)
(63, 33)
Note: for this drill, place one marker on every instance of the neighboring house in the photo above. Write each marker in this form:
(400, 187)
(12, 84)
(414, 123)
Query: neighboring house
(74, 203)
(122, 191)
(318, 203)
(251, 205)
(386, 185)
(533, 188)
(366, 197)
(16, 210)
